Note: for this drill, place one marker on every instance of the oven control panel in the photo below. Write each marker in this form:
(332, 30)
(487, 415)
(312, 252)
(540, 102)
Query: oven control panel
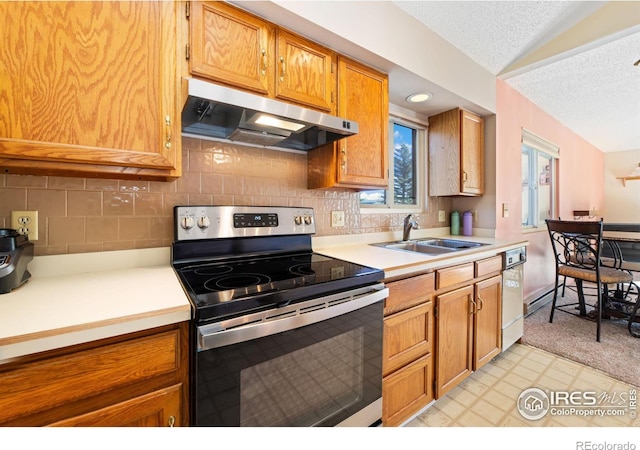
(215, 222)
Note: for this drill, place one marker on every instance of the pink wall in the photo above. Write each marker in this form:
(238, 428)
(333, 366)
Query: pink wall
(580, 178)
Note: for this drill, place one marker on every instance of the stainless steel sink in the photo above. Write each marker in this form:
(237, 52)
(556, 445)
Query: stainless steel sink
(433, 246)
(451, 243)
(414, 246)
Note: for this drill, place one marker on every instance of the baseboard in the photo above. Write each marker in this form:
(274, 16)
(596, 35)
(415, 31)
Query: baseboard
(530, 308)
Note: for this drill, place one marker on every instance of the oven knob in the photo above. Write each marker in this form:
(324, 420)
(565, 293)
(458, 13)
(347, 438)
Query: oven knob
(187, 222)
(204, 222)
(307, 220)
(298, 220)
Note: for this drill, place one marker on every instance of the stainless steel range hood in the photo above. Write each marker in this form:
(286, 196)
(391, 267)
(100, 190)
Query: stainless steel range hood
(220, 113)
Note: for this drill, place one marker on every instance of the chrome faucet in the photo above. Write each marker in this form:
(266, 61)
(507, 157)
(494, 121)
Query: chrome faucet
(409, 224)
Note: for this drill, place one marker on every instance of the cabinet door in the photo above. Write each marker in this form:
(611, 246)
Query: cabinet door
(407, 336)
(456, 153)
(454, 338)
(407, 391)
(156, 409)
(363, 96)
(472, 156)
(305, 72)
(90, 88)
(444, 153)
(487, 321)
(359, 161)
(232, 47)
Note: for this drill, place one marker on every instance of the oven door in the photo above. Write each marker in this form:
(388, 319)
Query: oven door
(316, 363)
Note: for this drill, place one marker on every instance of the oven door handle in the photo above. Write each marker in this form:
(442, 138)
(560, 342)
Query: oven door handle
(214, 336)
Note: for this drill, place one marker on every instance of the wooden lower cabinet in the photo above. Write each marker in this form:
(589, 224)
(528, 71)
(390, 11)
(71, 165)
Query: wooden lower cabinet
(157, 409)
(140, 379)
(407, 391)
(454, 338)
(439, 327)
(407, 358)
(487, 336)
(468, 325)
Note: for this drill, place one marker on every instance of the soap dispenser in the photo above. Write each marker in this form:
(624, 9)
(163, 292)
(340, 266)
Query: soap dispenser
(455, 223)
(467, 222)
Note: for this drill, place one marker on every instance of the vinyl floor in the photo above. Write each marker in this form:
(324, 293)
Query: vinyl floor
(489, 397)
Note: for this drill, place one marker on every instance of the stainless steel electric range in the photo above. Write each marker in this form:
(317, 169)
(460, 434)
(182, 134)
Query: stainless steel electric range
(282, 336)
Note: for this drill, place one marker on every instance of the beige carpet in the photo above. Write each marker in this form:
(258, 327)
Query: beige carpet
(617, 353)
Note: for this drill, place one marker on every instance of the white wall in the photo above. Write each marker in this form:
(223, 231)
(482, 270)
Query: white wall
(621, 204)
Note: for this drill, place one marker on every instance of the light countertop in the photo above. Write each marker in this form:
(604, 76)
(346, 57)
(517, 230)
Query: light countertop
(71, 299)
(399, 263)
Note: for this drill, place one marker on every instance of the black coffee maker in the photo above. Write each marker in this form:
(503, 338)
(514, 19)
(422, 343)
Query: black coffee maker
(15, 253)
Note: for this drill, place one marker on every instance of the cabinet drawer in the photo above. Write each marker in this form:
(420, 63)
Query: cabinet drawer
(407, 391)
(488, 266)
(157, 409)
(408, 335)
(45, 384)
(454, 275)
(406, 293)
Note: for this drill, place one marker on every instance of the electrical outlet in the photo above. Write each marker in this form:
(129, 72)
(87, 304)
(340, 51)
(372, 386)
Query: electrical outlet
(475, 216)
(441, 215)
(26, 222)
(337, 218)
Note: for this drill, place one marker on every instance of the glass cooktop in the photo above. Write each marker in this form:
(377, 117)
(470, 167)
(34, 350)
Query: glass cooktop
(230, 287)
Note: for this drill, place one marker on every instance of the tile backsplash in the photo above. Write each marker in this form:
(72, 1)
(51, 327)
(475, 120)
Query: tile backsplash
(79, 215)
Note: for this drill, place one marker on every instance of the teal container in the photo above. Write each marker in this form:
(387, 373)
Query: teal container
(455, 222)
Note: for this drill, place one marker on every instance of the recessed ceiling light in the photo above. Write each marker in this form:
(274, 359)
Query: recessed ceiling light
(419, 97)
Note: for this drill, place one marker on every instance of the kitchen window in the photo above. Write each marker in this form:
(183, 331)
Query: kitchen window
(408, 141)
(539, 160)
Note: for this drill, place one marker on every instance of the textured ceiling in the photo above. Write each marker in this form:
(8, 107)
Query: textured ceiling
(575, 60)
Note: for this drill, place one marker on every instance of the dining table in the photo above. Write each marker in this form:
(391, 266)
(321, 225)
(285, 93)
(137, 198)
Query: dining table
(623, 244)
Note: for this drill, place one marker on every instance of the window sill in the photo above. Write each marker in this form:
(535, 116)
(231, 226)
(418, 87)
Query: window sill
(388, 210)
(530, 230)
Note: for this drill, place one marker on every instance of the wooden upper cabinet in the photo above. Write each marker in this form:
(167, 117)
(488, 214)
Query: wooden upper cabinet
(456, 154)
(230, 46)
(236, 48)
(90, 89)
(305, 72)
(359, 161)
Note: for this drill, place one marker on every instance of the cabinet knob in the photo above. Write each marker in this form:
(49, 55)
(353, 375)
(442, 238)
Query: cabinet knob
(464, 177)
(172, 421)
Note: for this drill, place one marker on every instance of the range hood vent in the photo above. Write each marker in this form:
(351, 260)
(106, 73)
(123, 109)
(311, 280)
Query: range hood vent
(219, 113)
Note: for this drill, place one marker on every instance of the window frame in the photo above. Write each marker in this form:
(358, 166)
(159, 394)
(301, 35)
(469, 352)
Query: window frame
(420, 155)
(536, 147)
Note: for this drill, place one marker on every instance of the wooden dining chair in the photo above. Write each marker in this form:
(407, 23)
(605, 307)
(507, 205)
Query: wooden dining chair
(576, 247)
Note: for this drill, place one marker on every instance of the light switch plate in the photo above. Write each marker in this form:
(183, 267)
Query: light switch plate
(505, 210)
(26, 222)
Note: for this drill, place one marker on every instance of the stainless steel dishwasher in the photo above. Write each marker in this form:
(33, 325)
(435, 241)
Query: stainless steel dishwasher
(512, 296)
